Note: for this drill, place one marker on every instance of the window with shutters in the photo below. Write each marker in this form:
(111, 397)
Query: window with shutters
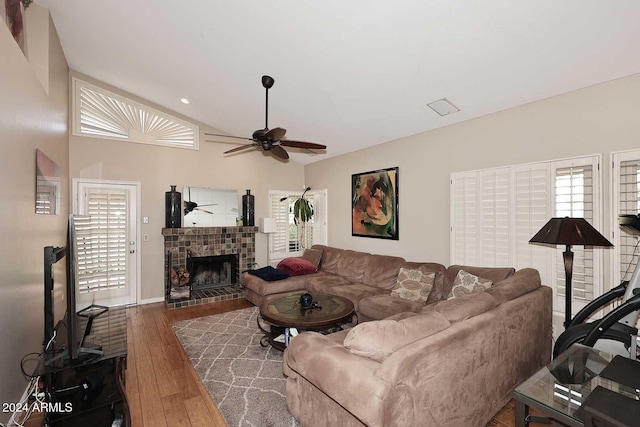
(494, 213)
(626, 201)
(99, 113)
(290, 240)
(574, 198)
(102, 242)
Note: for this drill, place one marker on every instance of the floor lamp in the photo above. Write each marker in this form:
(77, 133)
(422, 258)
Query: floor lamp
(569, 231)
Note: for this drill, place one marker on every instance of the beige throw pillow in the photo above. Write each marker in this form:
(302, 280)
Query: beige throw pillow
(467, 283)
(413, 285)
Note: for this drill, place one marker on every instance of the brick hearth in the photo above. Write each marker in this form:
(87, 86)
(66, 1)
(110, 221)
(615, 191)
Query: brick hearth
(208, 241)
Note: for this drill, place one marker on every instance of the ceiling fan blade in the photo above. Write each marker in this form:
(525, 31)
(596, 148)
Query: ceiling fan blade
(276, 134)
(280, 152)
(242, 147)
(228, 136)
(302, 144)
(203, 210)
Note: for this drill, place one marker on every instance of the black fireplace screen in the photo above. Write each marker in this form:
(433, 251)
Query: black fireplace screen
(214, 271)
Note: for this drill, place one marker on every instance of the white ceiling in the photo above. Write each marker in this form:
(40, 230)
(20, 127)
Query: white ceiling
(349, 74)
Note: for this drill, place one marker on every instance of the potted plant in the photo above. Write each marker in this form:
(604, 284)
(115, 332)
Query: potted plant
(302, 213)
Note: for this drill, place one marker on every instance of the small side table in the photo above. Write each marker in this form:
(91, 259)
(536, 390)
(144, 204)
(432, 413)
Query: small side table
(561, 388)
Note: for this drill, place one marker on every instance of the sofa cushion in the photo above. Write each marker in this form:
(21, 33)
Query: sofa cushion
(413, 285)
(439, 269)
(297, 266)
(269, 273)
(262, 287)
(467, 283)
(382, 306)
(351, 264)
(377, 340)
(314, 256)
(322, 282)
(382, 271)
(330, 257)
(355, 292)
(493, 274)
(464, 307)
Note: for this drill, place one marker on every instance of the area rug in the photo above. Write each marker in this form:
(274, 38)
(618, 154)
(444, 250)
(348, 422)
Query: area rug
(244, 379)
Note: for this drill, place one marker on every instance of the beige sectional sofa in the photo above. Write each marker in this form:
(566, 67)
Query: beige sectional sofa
(351, 274)
(440, 363)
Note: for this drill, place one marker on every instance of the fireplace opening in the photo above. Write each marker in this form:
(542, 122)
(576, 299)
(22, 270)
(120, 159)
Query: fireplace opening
(208, 272)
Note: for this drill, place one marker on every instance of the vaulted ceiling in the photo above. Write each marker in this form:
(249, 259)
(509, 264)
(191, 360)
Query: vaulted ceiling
(348, 74)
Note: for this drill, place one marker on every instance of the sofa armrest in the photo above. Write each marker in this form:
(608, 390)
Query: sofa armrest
(346, 378)
(521, 282)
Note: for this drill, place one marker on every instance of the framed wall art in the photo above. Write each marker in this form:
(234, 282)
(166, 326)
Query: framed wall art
(374, 204)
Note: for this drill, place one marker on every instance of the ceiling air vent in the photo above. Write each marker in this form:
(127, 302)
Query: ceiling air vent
(443, 107)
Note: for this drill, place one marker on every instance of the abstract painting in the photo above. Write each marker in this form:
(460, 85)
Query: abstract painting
(374, 204)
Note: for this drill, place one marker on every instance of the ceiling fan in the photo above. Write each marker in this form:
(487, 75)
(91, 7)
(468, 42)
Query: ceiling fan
(190, 206)
(271, 140)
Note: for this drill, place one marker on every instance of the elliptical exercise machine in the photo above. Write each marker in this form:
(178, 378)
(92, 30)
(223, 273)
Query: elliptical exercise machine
(617, 330)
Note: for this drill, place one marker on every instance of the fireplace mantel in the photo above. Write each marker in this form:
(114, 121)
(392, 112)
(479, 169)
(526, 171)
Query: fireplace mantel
(208, 241)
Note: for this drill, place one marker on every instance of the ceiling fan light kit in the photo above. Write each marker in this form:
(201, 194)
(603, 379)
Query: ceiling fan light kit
(270, 140)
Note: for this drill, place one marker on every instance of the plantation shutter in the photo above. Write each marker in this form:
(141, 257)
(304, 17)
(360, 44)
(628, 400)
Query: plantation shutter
(319, 224)
(532, 193)
(279, 210)
(495, 212)
(102, 241)
(99, 113)
(285, 242)
(46, 199)
(626, 167)
(574, 194)
(495, 228)
(464, 218)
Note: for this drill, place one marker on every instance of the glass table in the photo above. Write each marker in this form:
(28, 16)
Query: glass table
(285, 313)
(560, 389)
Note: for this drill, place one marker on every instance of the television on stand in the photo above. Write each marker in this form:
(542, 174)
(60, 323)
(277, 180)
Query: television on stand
(66, 342)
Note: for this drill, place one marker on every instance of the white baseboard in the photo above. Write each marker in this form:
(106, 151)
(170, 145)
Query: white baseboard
(151, 300)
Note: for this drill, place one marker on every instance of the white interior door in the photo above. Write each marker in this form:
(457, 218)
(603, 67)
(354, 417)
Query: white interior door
(108, 263)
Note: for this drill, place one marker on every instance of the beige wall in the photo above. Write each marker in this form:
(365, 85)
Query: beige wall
(598, 119)
(156, 168)
(29, 119)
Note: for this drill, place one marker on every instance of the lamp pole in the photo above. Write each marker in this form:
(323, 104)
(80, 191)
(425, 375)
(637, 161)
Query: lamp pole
(567, 256)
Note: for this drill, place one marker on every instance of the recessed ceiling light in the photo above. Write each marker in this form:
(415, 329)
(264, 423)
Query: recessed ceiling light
(443, 107)
(184, 100)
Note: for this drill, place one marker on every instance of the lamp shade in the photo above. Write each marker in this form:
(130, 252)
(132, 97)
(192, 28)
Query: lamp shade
(570, 231)
(267, 225)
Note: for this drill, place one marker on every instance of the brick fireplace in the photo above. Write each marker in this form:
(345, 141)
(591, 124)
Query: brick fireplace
(208, 242)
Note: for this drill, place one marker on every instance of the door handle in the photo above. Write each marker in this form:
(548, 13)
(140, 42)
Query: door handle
(132, 251)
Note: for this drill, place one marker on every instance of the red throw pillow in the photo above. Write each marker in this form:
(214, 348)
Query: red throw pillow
(297, 266)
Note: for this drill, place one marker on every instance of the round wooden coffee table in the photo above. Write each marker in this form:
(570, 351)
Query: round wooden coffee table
(285, 313)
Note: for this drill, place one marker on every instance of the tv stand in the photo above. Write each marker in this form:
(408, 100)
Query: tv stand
(93, 384)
